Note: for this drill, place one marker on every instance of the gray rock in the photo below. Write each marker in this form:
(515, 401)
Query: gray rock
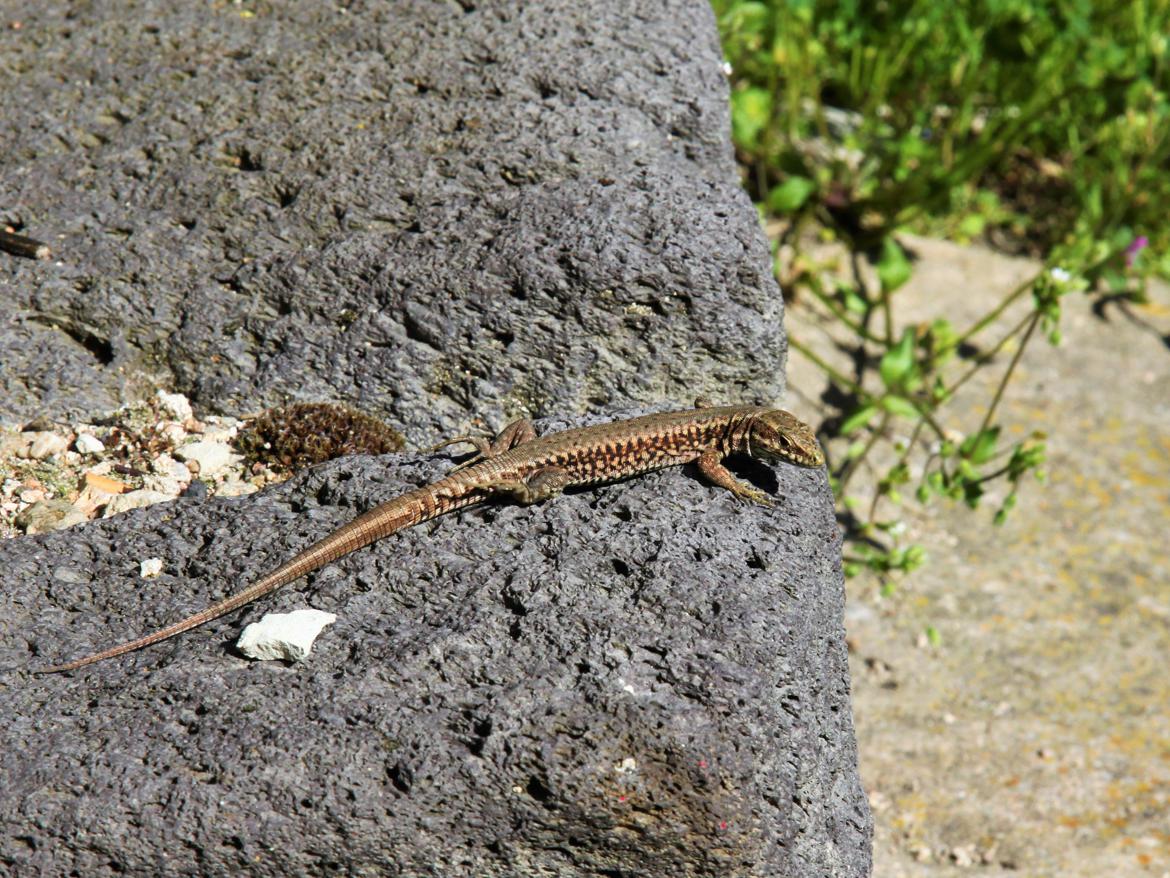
(428, 211)
(434, 212)
(475, 710)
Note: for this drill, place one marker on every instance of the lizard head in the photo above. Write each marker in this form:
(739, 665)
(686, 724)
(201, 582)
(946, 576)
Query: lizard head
(776, 435)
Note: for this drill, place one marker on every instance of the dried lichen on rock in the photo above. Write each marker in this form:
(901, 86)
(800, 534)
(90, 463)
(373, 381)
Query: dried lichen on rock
(296, 436)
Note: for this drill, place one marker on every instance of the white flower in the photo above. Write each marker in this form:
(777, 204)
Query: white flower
(1060, 275)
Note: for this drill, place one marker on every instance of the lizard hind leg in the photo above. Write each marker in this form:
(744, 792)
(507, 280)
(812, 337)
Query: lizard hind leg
(482, 447)
(516, 433)
(542, 485)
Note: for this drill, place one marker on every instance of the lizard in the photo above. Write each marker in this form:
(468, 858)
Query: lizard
(526, 468)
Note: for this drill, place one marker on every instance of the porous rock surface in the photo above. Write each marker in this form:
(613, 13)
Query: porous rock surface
(427, 210)
(418, 208)
(647, 679)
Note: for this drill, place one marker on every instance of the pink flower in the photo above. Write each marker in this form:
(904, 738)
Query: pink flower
(1140, 243)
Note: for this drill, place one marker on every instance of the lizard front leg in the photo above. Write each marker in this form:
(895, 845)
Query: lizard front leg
(540, 486)
(516, 433)
(713, 470)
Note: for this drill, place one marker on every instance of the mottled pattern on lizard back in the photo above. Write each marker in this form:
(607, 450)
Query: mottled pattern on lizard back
(619, 449)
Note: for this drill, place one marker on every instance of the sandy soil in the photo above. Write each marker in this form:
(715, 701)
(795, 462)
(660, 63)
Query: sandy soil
(1034, 738)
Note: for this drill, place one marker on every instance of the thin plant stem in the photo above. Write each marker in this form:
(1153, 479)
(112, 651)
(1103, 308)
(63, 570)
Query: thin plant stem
(851, 466)
(846, 383)
(901, 460)
(985, 358)
(1007, 375)
(994, 313)
(841, 314)
(888, 317)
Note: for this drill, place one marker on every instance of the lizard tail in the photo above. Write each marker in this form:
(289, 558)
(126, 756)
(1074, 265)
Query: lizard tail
(262, 587)
(411, 508)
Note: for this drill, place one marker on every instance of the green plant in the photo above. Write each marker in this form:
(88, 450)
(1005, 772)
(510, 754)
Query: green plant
(1041, 126)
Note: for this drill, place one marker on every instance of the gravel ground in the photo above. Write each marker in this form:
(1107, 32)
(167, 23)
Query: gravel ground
(1034, 738)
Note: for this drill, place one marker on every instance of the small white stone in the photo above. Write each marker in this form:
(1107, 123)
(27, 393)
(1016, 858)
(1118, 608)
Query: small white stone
(150, 568)
(43, 445)
(287, 636)
(627, 765)
(234, 487)
(164, 485)
(212, 457)
(49, 515)
(165, 465)
(221, 432)
(133, 500)
(176, 405)
(172, 430)
(12, 443)
(101, 468)
(87, 443)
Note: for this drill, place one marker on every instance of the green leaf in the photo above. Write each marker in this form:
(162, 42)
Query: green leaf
(942, 340)
(899, 405)
(751, 110)
(858, 419)
(893, 268)
(971, 226)
(898, 362)
(980, 447)
(899, 474)
(1116, 280)
(1009, 503)
(790, 195)
(854, 302)
(747, 18)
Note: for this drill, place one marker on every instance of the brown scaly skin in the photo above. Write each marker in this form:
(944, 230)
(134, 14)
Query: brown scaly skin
(520, 466)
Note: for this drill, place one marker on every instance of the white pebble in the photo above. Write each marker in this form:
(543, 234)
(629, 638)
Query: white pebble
(133, 500)
(165, 465)
(234, 487)
(87, 443)
(287, 636)
(212, 457)
(172, 430)
(150, 568)
(43, 445)
(176, 405)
